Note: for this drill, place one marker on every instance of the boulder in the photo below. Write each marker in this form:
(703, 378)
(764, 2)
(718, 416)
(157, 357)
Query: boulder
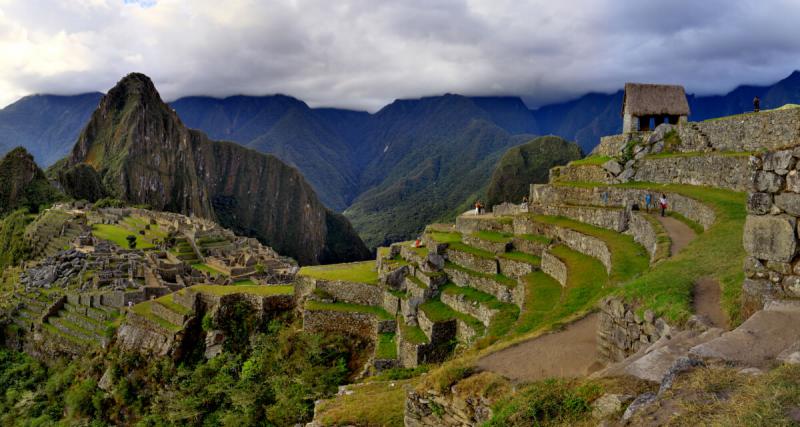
(767, 181)
(770, 237)
(612, 167)
(780, 162)
(789, 202)
(609, 404)
(759, 203)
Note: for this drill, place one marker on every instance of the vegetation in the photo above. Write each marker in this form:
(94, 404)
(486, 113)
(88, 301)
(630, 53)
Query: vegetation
(260, 290)
(446, 237)
(23, 185)
(550, 402)
(145, 236)
(526, 164)
(493, 236)
(208, 269)
(14, 246)
(437, 311)
(523, 257)
(386, 402)
(596, 160)
(386, 347)
(412, 334)
(461, 247)
(360, 272)
(347, 308)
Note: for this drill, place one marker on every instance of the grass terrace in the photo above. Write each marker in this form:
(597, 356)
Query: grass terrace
(590, 160)
(493, 236)
(505, 280)
(522, 257)
(208, 269)
(458, 246)
(347, 308)
(132, 225)
(379, 403)
(170, 303)
(260, 290)
(386, 347)
(446, 237)
(717, 253)
(535, 238)
(412, 334)
(437, 311)
(670, 155)
(359, 272)
(628, 258)
(144, 309)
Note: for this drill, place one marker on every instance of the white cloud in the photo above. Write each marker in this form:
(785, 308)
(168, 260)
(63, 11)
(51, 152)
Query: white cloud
(365, 53)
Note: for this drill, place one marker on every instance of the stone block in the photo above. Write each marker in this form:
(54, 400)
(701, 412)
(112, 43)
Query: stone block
(791, 286)
(759, 203)
(612, 167)
(789, 203)
(771, 238)
(767, 182)
(779, 161)
(793, 181)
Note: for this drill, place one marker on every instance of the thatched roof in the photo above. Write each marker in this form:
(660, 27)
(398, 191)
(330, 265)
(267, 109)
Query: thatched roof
(646, 99)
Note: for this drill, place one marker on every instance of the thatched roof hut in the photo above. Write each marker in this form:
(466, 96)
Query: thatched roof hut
(642, 99)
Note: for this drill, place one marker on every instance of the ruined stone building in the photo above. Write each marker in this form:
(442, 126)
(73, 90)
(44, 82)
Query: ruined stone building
(646, 106)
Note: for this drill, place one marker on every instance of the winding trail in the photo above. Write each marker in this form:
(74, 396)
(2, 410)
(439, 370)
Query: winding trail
(680, 234)
(569, 353)
(707, 291)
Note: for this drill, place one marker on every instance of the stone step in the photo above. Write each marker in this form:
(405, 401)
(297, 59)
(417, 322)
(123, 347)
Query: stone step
(74, 315)
(532, 244)
(518, 264)
(70, 328)
(472, 258)
(490, 241)
(467, 224)
(418, 289)
(757, 342)
(471, 302)
(504, 288)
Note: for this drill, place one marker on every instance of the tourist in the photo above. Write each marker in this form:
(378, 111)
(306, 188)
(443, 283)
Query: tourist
(477, 207)
(662, 203)
(648, 200)
(605, 198)
(418, 242)
(756, 104)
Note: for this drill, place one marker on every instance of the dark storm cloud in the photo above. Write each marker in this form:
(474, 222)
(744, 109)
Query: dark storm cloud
(365, 53)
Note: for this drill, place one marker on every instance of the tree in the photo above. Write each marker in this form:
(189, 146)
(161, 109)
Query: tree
(131, 241)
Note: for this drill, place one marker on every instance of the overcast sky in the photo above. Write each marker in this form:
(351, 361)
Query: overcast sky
(365, 53)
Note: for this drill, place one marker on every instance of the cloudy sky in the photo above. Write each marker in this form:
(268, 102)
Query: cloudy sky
(365, 53)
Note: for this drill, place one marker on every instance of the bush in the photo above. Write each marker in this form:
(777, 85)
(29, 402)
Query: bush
(546, 403)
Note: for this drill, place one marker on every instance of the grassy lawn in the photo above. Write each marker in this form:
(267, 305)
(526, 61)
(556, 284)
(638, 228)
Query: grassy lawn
(535, 238)
(499, 278)
(523, 257)
(445, 237)
(628, 258)
(347, 308)
(717, 253)
(144, 309)
(170, 303)
(458, 246)
(261, 290)
(117, 233)
(412, 334)
(379, 403)
(493, 236)
(700, 154)
(590, 160)
(542, 295)
(208, 269)
(359, 272)
(386, 347)
(245, 282)
(437, 311)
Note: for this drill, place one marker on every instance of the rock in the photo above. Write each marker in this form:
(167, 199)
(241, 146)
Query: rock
(641, 401)
(791, 285)
(793, 181)
(789, 202)
(609, 404)
(751, 371)
(754, 163)
(612, 167)
(435, 262)
(106, 382)
(771, 237)
(767, 182)
(759, 203)
(681, 365)
(753, 267)
(791, 355)
(626, 175)
(657, 147)
(780, 161)
(659, 132)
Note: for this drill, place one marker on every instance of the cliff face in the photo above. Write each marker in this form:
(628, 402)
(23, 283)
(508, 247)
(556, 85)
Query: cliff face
(145, 155)
(22, 183)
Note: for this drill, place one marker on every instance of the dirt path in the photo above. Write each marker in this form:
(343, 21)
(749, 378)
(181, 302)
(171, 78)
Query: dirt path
(568, 353)
(679, 233)
(706, 296)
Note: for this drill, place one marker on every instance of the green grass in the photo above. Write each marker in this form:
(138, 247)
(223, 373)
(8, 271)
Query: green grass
(417, 282)
(698, 229)
(118, 235)
(522, 257)
(144, 309)
(535, 238)
(542, 295)
(55, 331)
(586, 281)
(208, 269)
(386, 347)
(358, 272)
(412, 334)
(437, 311)
(170, 303)
(499, 278)
(347, 308)
(446, 237)
(245, 282)
(717, 253)
(501, 323)
(398, 294)
(700, 154)
(458, 246)
(590, 160)
(663, 242)
(261, 290)
(628, 258)
(493, 236)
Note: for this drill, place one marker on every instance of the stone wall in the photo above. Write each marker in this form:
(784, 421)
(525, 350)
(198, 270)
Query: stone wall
(711, 170)
(342, 291)
(436, 332)
(612, 218)
(146, 337)
(769, 130)
(580, 173)
(472, 261)
(646, 232)
(463, 305)
(554, 267)
(466, 224)
(621, 332)
(350, 323)
(508, 209)
(515, 295)
(545, 194)
(611, 145)
(772, 268)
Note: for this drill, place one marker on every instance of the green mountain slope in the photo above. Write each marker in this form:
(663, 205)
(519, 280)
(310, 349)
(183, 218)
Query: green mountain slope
(527, 164)
(23, 184)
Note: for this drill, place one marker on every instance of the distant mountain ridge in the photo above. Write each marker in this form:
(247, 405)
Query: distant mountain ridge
(383, 169)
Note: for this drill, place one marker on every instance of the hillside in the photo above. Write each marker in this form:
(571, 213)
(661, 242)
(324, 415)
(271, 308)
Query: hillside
(143, 154)
(527, 164)
(23, 184)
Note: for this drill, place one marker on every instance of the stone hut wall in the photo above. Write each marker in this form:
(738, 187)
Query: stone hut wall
(707, 170)
(772, 268)
(770, 130)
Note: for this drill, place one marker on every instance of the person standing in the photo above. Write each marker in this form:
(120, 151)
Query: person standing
(756, 104)
(662, 203)
(648, 200)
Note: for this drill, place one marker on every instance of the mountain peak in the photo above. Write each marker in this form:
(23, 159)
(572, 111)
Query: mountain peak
(133, 86)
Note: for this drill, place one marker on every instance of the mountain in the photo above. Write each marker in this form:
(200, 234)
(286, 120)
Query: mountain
(583, 120)
(316, 143)
(23, 184)
(46, 125)
(527, 164)
(142, 153)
